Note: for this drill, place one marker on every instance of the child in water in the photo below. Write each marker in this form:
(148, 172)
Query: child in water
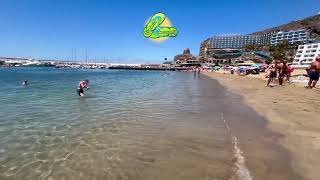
(82, 85)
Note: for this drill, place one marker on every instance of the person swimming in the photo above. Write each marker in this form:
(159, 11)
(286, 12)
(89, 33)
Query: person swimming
(82, 85)
(24, 83)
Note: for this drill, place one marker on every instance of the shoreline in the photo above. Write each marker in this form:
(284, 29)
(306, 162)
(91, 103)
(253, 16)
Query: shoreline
(291, 111)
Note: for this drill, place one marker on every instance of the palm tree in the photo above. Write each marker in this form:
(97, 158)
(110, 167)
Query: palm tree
(250, 47)
(279, 52)
(285, 44)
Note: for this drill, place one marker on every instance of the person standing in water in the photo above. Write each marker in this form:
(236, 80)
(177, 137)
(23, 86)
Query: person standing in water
(199, 71)
(314, 73)
(82, 85)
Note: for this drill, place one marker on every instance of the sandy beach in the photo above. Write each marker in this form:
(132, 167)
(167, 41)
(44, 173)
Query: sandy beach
(291, 111)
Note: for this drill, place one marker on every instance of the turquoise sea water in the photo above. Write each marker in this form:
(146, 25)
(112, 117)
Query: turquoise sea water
(130, 125)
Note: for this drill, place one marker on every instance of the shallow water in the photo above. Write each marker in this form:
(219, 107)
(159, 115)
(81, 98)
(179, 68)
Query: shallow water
(130, 125)
(137, 125)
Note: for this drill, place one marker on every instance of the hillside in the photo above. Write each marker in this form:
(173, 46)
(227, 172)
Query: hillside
(311, 23)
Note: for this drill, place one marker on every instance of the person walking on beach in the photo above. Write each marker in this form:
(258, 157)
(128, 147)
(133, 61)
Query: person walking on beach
(314, 72)
(82, 85)
(194, 72)
(290, 70)
(283, 71)
(273, 73)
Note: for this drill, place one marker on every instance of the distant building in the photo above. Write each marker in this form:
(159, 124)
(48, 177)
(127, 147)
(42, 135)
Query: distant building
(292, 36)
(233, 41)
(231, 56)
(124, 65)
(306, 54)
(265, 39)
(186, 59)
(241, 41)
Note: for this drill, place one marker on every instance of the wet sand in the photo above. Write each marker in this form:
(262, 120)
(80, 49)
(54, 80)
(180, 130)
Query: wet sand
(292, 113)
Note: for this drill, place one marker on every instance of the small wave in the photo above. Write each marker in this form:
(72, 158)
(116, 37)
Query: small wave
(242, 172)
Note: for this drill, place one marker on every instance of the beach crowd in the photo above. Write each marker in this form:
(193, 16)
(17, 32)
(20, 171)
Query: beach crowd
(281, 70)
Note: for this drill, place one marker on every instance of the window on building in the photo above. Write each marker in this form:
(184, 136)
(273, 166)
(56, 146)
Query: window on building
(314, 50)
(315, 46)
(298, 56)
(301, 47)
(305, 56)
(312, 55)
(308, 51)
(309, 46)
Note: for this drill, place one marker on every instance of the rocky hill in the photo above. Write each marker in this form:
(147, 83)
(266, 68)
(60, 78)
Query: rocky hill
(311, 23)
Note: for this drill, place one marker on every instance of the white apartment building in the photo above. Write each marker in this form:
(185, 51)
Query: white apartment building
(291, 36)
(306, 54)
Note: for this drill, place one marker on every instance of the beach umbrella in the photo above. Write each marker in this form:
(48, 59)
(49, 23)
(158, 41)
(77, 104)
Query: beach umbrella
(255, 65)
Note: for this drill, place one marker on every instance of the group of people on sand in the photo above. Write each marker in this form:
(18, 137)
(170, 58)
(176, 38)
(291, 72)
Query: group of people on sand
(281, 70)
(83, 84)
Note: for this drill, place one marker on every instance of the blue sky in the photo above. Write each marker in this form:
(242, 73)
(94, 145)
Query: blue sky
(112, 29)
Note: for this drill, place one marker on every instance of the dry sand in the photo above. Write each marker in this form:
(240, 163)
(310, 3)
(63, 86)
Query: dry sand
(291, 111)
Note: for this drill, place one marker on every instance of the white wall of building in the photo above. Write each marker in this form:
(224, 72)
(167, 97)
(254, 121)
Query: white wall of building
(129, 65)
(306, 54)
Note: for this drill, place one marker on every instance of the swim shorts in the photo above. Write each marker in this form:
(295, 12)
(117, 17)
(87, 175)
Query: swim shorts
(314, 75)
(273, 74)
(283, 74)
(79, 91)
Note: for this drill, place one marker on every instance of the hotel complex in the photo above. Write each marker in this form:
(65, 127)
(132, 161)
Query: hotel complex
(306, 54)
(233, 41)
(272, 38)
(291, 36)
